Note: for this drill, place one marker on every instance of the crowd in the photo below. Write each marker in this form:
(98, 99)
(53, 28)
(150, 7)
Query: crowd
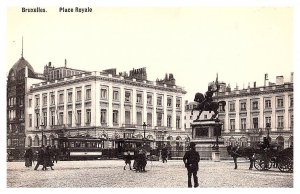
(45, 156)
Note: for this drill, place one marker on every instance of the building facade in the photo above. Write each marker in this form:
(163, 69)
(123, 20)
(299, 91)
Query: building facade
(253, 113)
(105, 105)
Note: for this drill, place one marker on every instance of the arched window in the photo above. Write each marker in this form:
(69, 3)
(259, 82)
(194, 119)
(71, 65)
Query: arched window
(280, 141)
(44, 140)
(290, 142)
(243, 141)
(232, 141)
(150, 137)
(29, 141)
(51, 140)
(139, 136)
(36, 141)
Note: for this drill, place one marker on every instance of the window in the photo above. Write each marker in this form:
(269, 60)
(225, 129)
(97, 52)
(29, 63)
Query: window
(45, 100)
(88, 94)
(291, 101)
(88, 116)
(52, 99)
(243, 106)
(139, 97)
(78, 117)
(178, 103)
(149, 119)
(30, 120)
(255, 123)
(70, 97)
(243, 123)
(232, 124)
(103, 93)
(255, 105)
(30, 103)
(69, 117)
(37, 121)
(169, 102)
(268, 120)
(127, 96)
(44, 119)
(78, 95)
(279, 102)
(127, 117)
(231, 106)
(115, 116)
(52, 118)
(116, 95)
(61, 118)
(280, 122)
(37, 102)
(169, 121)
(177, 122)
(268, 103)
(61, 98)
(159, 119)
(159, 101)
(292, 121)
(149, 99)
(103, 116)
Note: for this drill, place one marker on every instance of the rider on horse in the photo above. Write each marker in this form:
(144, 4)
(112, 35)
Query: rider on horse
(208, 95)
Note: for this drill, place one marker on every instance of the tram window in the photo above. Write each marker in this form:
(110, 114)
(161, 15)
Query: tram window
(82, 144)
(77, 144)
(72, 144)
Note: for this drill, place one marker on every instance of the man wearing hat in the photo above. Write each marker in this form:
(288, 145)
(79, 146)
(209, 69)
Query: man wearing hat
(191, 159)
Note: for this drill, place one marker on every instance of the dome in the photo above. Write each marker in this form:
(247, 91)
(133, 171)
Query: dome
(21, 64)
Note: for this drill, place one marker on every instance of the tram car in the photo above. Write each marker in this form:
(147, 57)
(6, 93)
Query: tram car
(80, 148)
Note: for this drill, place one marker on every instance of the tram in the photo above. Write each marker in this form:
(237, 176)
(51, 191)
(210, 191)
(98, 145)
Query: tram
(80, 148)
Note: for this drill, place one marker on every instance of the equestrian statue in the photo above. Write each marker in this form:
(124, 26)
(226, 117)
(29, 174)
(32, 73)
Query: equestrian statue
(206, 103)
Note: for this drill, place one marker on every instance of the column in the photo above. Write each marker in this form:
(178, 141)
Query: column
(261, 112)
(145, 107)
(174, 112)
(122, 109)
(110, 111)
(82, 106)
(154, 115)
(286, 118)
(237, 115)
(226, 119)
(134, 106)
(182, 121)
(48, 110)
(65, 107)
(165, 109)
(249, 117)
(96, 103)
(74, 112)
(273, 117)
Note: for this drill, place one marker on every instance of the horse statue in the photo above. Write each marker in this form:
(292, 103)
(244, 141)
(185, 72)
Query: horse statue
(204, 105)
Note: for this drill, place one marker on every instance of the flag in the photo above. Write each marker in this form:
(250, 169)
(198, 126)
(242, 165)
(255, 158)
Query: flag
(217, 82)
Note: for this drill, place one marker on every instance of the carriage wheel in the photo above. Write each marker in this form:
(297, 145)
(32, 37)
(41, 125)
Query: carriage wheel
(260, 164)
(285, 164)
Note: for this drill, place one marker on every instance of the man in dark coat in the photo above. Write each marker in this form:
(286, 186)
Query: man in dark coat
(28, 157)
(191, 159)
(164, 154)
(40, 157)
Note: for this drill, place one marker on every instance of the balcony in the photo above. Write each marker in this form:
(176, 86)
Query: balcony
(129, 126)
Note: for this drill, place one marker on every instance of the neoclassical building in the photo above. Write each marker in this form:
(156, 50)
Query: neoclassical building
(105, 105)
(251, 113)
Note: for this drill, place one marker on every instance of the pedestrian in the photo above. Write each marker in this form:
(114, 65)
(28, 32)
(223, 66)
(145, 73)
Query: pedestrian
(40, 157)
(164, 154)
(28, 157)
(191, 159)
(127, 159)
(47, 159)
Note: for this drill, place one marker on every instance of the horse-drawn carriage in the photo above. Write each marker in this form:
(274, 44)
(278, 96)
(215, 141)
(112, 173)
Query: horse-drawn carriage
(274, 157)
(264, 158)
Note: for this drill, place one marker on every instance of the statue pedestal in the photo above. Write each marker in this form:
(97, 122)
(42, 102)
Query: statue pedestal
(205, 136)
(215, 155)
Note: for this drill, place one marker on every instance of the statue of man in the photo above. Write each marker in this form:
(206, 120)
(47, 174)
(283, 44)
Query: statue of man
(209, 94)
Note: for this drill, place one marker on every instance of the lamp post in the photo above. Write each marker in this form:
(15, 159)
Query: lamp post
(144, 127)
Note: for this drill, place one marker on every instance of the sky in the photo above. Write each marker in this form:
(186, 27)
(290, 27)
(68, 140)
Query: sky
(194, 43)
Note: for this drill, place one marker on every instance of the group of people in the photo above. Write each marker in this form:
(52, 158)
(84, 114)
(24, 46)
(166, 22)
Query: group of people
(45, 156)
(140, 159)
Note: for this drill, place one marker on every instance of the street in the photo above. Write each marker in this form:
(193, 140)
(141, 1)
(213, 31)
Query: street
(110, 174)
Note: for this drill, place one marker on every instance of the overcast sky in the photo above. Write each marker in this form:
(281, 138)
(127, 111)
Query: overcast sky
(193, 43)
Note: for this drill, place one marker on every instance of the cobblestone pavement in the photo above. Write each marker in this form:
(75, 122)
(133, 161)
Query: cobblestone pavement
(110, 173)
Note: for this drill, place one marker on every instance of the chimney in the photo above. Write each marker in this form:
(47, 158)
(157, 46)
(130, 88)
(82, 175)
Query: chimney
(26, 71)
(292, 77)
(49, 63)
(279, 80)
(65, 62)
(254, 85)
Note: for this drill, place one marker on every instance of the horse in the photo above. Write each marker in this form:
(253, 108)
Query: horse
(212, 106)
(245, 152)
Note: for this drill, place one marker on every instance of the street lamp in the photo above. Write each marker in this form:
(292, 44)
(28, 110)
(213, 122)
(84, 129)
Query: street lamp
(144, 127)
